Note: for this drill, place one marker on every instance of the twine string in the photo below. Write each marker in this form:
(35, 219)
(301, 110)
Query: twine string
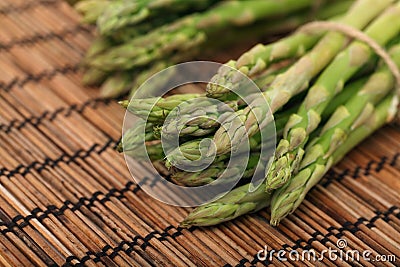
(360, 36)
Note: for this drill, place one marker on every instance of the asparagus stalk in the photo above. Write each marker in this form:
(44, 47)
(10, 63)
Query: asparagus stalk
(339, 100)
(196, 151)
(94, 77)
(236, 203)
(98, 46)
(286, 199)
(122, 14)
(213, 172)
(296, 79)
(191, 31)
(289, 151)
(240, 201)
(281, 118)
(199, 118)
(203, 118)
(260, 57)
(135, 136)
(204, 109)
(128, 34)
(154, 151)
(262, 80)
(91, 9)
(116, 85)
(217, 168)
(156, 109)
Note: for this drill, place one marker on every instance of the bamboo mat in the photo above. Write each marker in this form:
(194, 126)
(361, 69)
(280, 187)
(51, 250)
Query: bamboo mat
(66, 197)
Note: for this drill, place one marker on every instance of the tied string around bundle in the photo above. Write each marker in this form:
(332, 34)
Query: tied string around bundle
(360, 36)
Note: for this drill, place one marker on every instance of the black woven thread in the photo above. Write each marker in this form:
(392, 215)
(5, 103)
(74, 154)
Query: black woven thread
(31, 40)
(30, 243)
(372, 165)
(80, 154)
(65, 158)
(27, 6)
(134, 245)
(300, 243)
(67, 111)
(21, 222)
(87, 202)
(346, 227)
(162, 236)
(47, 74)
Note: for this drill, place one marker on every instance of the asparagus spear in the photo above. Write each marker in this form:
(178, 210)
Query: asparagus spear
(295, 80)
(280, 120)
(217, 168)
(199, 178)
(234, 204)
(260, 57)
(196, 151)
(199, 118)
(191, 31)
(141, 107)
(94, 77)
(286, 199)
(137, 77)
(290, 149)
(91, 9)
(349, 91)
(213, 172)
(239, 201)
(116, 85)
(135, 136)
(154, 151)
(121, 14)
(193, 150)
(339, 100)
(156, 109)
(262, 80)
(98, 46)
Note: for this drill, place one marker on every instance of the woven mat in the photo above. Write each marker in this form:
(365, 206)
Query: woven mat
(66, 197)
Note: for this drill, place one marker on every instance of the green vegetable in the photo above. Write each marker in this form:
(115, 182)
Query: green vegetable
(295, 80)
(286, 199)
(290, 149)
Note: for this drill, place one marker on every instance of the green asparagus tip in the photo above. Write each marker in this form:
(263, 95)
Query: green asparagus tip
(278, 177)
(168, 164)
(124, 103)
(275, 222)
(120, 147)
(185, 224)
(107, 91)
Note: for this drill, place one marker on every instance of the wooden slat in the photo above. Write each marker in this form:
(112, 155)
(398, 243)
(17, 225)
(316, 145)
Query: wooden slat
(66, 197)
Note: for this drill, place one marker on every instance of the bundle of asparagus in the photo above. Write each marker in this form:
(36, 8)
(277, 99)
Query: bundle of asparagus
(326, 91)
(138, 38)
